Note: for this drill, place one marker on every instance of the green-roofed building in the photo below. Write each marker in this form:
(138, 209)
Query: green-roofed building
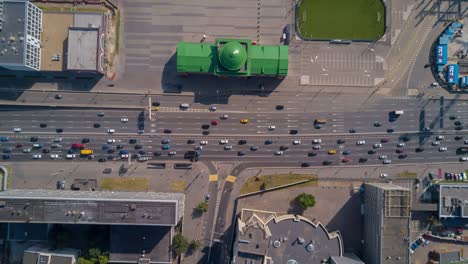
(232, 57)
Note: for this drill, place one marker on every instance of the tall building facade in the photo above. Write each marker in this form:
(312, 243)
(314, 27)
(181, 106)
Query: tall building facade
(20, 35)
(386, 223)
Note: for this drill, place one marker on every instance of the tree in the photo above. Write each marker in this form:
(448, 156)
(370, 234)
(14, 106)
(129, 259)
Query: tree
(94, 253)
(179, 244)
(305, 200)
(195, 244)
(202, 207)
(82, 260)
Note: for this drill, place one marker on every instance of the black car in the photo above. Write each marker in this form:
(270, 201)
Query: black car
(346, 152)
(458, 123)
(305, 164)
(317, 126)
(58, 96)
(279, 107)
(405, 138)
(253, 148)
(85, 140)
(59, 130)
(453, 117)
(340, 141)
(45, 151)
(167, 131)
(327, 162)
(352, 130)
(205, 126)
(458, 127)
(111, 150)
(377, 124)
(390, 130)
(135, 156)
(284, 147)
(155, 103)
(102, 160)
(372, 151)
(7, 150)
(6, 156)
(119, 146)
(157, 153)
(110, 157)
(402, 156)
(101, 114)
(419, 149)
(142, 152)
(293, 132)
(165, 141)
(138, 146)
(312, 154)
(132, 141)
(240, 153)
(43, 125)
(362, 160)
(190, 141)
(242, 142)
(71, 151)
(206, 132)
(458, 137)
(34, 139)
(268, 142)
(96, 125)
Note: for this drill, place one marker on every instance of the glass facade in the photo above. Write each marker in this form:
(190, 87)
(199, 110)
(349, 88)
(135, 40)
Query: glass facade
(33, 36)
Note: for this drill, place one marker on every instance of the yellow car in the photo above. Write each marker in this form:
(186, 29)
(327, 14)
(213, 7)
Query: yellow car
(331, 151)
(244, 121)
(156, 108)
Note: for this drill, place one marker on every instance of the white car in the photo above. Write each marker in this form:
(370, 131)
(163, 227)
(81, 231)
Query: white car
(271, 127)
(296, 142)
(434, 84)
(383, 175)
(316, 141)
(111, 131)
(55, 145)
(224, 117)
(111, 140)
(463, 158)
(212, 108)
(124, 156)
(387, 161)
(439, 137)
(277, 153)
(26, 150)
(124, 120)
(228, 147)
(172, 153)
(223, 141)
(71, 156)
(382, 157)
(441, 149)
(361, 142)
(435, 143)
(198, 147)
(17, 129)
(316, 147)
(37, 156)
(54, 156)
(466, 141)
(377, 145)
(401, 144)
(58, 139)
(203, 142)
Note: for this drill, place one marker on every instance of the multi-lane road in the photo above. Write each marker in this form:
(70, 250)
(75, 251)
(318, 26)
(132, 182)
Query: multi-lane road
(188, 125)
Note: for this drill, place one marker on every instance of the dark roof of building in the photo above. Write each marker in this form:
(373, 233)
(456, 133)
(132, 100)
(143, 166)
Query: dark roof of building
(11, 31)
(147, 242)
(86, 207)
(449, 257)
(346, 259)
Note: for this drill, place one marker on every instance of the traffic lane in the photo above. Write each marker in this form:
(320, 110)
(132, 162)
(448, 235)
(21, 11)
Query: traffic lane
(46, 114)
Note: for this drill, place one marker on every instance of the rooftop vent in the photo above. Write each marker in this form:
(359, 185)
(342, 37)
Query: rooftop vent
(276, 244)
(310, 247)
(300, 240)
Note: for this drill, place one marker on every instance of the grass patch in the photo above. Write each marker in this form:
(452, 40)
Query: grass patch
(341, 19)
(408, 175)
(178, 185)
(256, 184)
(117, 32)
(125, 184)
(71, 9)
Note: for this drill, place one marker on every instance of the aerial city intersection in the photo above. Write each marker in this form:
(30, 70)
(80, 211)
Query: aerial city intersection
(245, 132)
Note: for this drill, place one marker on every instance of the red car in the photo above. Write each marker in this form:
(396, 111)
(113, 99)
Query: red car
(384, 140)
(19, 145)
(346, 159)
(78, 146)
(214, 122)
(399, 151)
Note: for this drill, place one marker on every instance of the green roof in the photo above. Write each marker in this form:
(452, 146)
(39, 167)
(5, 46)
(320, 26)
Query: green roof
(195, 57)
(269, 60)
(232, 56)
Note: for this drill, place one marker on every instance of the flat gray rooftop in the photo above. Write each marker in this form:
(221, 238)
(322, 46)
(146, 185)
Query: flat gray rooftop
(85, 20)
(12, 49)
(152, 241)
(86, 207)
(453, 200)
(83, 49)
(395, 231)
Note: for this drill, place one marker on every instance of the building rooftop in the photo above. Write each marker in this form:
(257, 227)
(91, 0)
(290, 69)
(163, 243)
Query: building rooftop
(283, 239)
(45, 254)
(453, 200)
(87, 207)
(83, 44)
(148, 242)
(12, 32)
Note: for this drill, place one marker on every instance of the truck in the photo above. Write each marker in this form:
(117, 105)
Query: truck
(320, 121)
(85, 152)
(398, 112)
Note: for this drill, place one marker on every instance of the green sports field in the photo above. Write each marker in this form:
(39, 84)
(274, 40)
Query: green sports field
(341, 19)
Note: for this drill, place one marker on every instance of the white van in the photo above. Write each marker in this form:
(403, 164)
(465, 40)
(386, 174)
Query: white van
(223, 141)
(184, 106)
